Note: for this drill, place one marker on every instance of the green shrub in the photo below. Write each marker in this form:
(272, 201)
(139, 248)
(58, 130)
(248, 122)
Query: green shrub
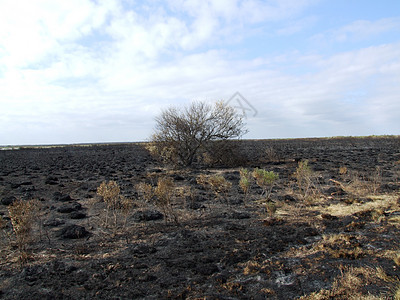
(266, 180)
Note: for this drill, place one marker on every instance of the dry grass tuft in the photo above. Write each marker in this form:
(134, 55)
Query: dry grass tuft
(146, 191)
(252, 267)
(358, 185)
(164, 191)
(216, 183)
(307, 183)
(348, 285)
(396, 292)
(245, 183)
(342, 246)
(23, 215)
(271, 154)
(379, 204)
(271, 208)
(396, 259)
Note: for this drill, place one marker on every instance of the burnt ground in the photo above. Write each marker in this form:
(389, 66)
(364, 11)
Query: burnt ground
(339, 240)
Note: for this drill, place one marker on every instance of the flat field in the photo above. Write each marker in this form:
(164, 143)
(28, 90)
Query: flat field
(329, 228)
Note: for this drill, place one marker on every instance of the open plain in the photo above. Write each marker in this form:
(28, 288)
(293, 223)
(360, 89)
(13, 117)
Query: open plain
(328, 233)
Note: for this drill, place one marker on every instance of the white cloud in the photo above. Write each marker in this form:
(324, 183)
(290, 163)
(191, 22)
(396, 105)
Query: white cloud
(360, 30)
(32, 30)
(296, 26)
(103, 73)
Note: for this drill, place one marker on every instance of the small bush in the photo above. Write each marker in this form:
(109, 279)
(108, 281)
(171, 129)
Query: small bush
(220, 186)
(306, 180)
(271, 154)
(115, 202)
(161, 195)
(266, 180)
(22, 215)
(203, 181)
(304, 176)
(110, 193)
(164, 191)
(245, 183)
(376, 180)
(146, 190)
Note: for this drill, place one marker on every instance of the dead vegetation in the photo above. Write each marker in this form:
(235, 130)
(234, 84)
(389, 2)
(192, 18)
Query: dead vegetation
(23, 215)
(118, 206)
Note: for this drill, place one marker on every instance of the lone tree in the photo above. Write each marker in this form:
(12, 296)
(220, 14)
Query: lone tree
(181, 133)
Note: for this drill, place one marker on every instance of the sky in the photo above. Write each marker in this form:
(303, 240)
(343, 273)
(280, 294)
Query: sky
(86, 71)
